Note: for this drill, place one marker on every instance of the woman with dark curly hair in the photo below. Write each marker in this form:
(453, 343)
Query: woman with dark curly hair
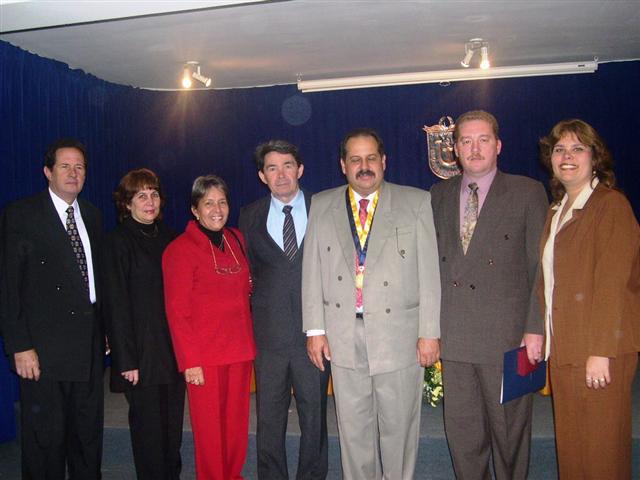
(143, 363)
(591, 289)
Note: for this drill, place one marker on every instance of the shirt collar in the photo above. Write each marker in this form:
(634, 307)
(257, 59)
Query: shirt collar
(61, 205)
(296, 202)
(484, 183)
(582, 197)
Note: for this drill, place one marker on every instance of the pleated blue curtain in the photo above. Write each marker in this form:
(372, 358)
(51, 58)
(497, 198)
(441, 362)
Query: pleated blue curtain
(181, 135)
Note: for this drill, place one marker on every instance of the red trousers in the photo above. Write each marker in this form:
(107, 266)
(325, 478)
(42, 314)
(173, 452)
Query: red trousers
(219, 412)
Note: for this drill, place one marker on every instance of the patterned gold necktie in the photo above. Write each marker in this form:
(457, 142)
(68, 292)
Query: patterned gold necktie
(470, 217)
(76, 244)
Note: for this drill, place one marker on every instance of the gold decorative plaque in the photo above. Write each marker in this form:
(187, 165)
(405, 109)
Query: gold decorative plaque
(442, 160)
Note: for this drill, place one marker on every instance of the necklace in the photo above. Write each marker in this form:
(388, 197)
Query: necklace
(225, 270)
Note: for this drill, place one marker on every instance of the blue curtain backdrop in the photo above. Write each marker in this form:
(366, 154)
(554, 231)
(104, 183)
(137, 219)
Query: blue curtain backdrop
(181, 135)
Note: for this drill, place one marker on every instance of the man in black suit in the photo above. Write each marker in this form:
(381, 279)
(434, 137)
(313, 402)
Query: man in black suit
(52, 332)
(274, 229)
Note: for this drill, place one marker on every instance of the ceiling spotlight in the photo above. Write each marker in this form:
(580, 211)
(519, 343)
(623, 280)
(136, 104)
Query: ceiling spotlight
(484, 57)
(201, 78)
(467, 58)
(186, 77)
(471, 47)
(192, 70)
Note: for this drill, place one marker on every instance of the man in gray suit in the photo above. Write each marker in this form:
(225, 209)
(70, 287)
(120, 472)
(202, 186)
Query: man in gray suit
(371, 305)
(274, 229)
(489, 225)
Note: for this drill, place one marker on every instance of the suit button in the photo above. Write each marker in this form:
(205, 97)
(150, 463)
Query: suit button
(388, 310)
(339, 278)
(328, 249)
(385, 283)
(506, 236)
(472, 286)
(402, 252)
(58, 287)
(455, 284)
(490, 261)
(444, 259)
(72, 312)
(337, 305)
(43, 261)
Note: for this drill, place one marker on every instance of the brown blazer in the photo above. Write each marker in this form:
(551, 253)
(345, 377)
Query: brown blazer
(596, 299)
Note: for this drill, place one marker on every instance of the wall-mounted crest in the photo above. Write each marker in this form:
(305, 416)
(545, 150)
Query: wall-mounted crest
(442, 159)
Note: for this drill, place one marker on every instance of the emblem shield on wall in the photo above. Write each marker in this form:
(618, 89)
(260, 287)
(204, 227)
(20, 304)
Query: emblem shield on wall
(442, 160)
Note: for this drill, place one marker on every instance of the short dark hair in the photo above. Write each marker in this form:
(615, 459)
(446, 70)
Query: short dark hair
(204, 183)
(476, 115)
(586, 134)
(133, 182)
(50, 155)
(361, 132)
(279, 146)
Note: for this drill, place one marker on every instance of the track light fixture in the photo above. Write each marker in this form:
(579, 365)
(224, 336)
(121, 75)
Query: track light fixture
(192, 70)
(471, 47)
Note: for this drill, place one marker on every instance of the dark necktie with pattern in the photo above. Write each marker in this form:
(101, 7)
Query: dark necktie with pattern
(289, 240)
(76, 244)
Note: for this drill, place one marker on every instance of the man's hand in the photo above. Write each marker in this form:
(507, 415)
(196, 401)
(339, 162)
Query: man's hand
(428, 351)
(27, 364)
(194, 376)
(318, 349)
(534, 343)
(132, 376)
(598, 375)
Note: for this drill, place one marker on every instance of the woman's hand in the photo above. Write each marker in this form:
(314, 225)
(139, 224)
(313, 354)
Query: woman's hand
(597, 372)
(194, 376)
(132, 376)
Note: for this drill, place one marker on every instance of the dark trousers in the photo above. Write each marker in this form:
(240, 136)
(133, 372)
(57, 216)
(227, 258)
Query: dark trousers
(478, 428)
(277, 373)
(62, 424)
(156, 415)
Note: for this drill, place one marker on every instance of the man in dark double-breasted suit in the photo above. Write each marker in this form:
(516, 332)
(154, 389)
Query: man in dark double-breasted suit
(51, 328)
(274, 229)
(488, 225)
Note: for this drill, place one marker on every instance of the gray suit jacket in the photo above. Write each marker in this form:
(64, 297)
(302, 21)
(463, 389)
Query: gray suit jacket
(275, 303)
(488, 298)
(401, 290)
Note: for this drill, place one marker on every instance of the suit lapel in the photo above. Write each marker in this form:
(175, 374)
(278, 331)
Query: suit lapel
(491, 215)
(382, 226)
(59, 240)
(342, 229)
(451, 208)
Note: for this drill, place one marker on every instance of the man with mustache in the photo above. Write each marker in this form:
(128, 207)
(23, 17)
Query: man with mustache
(371, 305)
(489, 225)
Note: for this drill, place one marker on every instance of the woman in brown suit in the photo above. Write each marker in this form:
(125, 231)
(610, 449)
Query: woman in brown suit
(591, 288)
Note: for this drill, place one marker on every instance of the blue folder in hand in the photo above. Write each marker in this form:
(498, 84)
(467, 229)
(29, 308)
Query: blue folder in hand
(519, 377)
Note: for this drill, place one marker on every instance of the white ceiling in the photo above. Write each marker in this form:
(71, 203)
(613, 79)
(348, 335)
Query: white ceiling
(254, 43)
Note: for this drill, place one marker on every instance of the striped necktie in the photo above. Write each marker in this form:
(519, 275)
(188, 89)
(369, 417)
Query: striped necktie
(289, 240)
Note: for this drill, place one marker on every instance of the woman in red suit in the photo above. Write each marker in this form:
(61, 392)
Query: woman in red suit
(591, 289)
(207, 286)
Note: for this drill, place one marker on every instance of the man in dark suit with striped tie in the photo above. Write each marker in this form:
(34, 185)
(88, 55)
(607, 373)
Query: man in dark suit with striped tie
(274, 229)
(51, 328)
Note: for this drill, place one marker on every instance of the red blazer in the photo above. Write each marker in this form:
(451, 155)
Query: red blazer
(208, 312)
(596, 299)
